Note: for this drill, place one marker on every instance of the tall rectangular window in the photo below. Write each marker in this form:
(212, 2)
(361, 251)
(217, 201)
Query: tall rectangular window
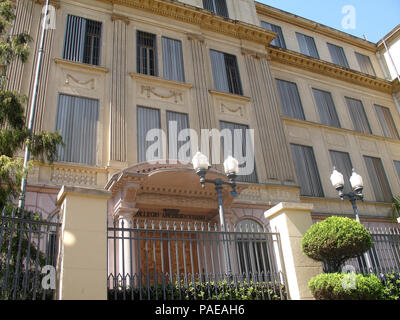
(326, 108)
(387, 123)
(225, 72)
(147, 119)
(307, 45)
(358, 115)
(240, 139)
(173, 59)
(379, 181)
(342, 162)
(365, 64)
(82, 40)
(307, 171)
(176, 123)
(77, 122)
(279, 40)
(397, 165)
(146, 53)
(217, 6)
(290, 99)
(338, 56)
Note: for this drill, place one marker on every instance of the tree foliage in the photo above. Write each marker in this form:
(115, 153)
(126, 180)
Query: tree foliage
(14, 133)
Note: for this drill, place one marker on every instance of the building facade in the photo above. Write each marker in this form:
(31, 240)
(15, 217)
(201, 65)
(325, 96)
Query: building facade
(113, 70)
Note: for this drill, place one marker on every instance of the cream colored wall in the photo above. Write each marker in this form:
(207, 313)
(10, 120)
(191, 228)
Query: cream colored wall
(323, 138)
(289, 33)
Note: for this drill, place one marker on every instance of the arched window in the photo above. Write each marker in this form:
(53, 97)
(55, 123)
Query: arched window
(254, 250)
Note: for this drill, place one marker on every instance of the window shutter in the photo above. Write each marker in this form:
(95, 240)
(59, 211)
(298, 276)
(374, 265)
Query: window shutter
(326, 108)
(342, 162)
(338, 55)
(397, 165)
(378, 179)
(365, 64)
(306, 171)
(290, 99)
(219, 71)
(358, 115)
(173, 60)
(77, 122)
(147, 119)
(182, 122)
(279, 40)
(74, 38)
(307, 45)
(387, 123)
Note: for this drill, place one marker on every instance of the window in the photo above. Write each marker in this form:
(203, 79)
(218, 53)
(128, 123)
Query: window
(240, 135)
(217, 6)
(176, 122)
(397, 165)
(358, 115)
(338, 56)
(225, 72)
(306, 171)
(326, 108)
(82, 40)
(365, 64)
(342, 162)
(146, 53)
(279, 40)
(378, 179)
(147, 119)
(173, 59)
(254, 252)
(290, 99)
(77, 122)
(307, 45)
(387, 123)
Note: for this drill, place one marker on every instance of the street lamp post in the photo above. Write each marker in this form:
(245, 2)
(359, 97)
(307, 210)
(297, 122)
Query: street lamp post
(231, 166)
(357, 184)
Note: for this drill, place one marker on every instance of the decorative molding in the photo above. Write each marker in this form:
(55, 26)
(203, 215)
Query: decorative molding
(172, 93)
(307, 63)
(232, 109)
(159, 80)
(81, 65)
(287, 17)
(230, 96)
(200, 17)
(55, 3)
(80, 82)
(73, 176)
(255, 54)
(118, 17)
(396, 85)
(195, 36)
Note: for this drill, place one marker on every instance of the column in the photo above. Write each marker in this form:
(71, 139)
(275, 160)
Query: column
(275, 150)
(292, 220)
(82, 261)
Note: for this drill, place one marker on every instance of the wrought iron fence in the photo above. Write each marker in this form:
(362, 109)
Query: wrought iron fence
(384, 256)
(185, 261)
(28, 242)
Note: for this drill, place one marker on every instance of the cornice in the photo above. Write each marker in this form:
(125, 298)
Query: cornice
(81, 65)
(200, 17)
(274, 13)
(396, 85)
(328, 69)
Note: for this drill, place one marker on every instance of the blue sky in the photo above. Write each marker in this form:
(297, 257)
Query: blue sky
(374, 18)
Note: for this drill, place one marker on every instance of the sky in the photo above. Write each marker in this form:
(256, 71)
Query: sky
(373, 18)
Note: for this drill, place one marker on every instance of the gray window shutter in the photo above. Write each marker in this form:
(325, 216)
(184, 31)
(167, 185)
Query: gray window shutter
(219, 71)
(365, 64)
(182, 122)
(217, 6)
(306, 171)
(279, 40)
(326, 108)
(147, 119)
(342, 162)
(290, 99)
(251, 178)
(358, 115)
(387, 123)
(397, 165)
(338, 55)
(173, 59)
(378, 179)
(74, 42)
(77, 122)
(307, 45)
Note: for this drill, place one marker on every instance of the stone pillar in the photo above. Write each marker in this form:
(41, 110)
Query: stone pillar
(82, 262)
(275, 150)
(292, 220)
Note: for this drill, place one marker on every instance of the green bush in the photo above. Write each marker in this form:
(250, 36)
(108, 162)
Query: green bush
(334, 286)
(392, 286)
(335, 240)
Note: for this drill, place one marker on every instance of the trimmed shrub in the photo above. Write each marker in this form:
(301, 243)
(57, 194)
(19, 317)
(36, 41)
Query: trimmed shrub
(334, 286)
(335, 240)
(392, 286)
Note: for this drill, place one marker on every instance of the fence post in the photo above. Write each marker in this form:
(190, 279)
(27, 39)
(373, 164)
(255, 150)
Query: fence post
(292, 220)
(82, 262)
